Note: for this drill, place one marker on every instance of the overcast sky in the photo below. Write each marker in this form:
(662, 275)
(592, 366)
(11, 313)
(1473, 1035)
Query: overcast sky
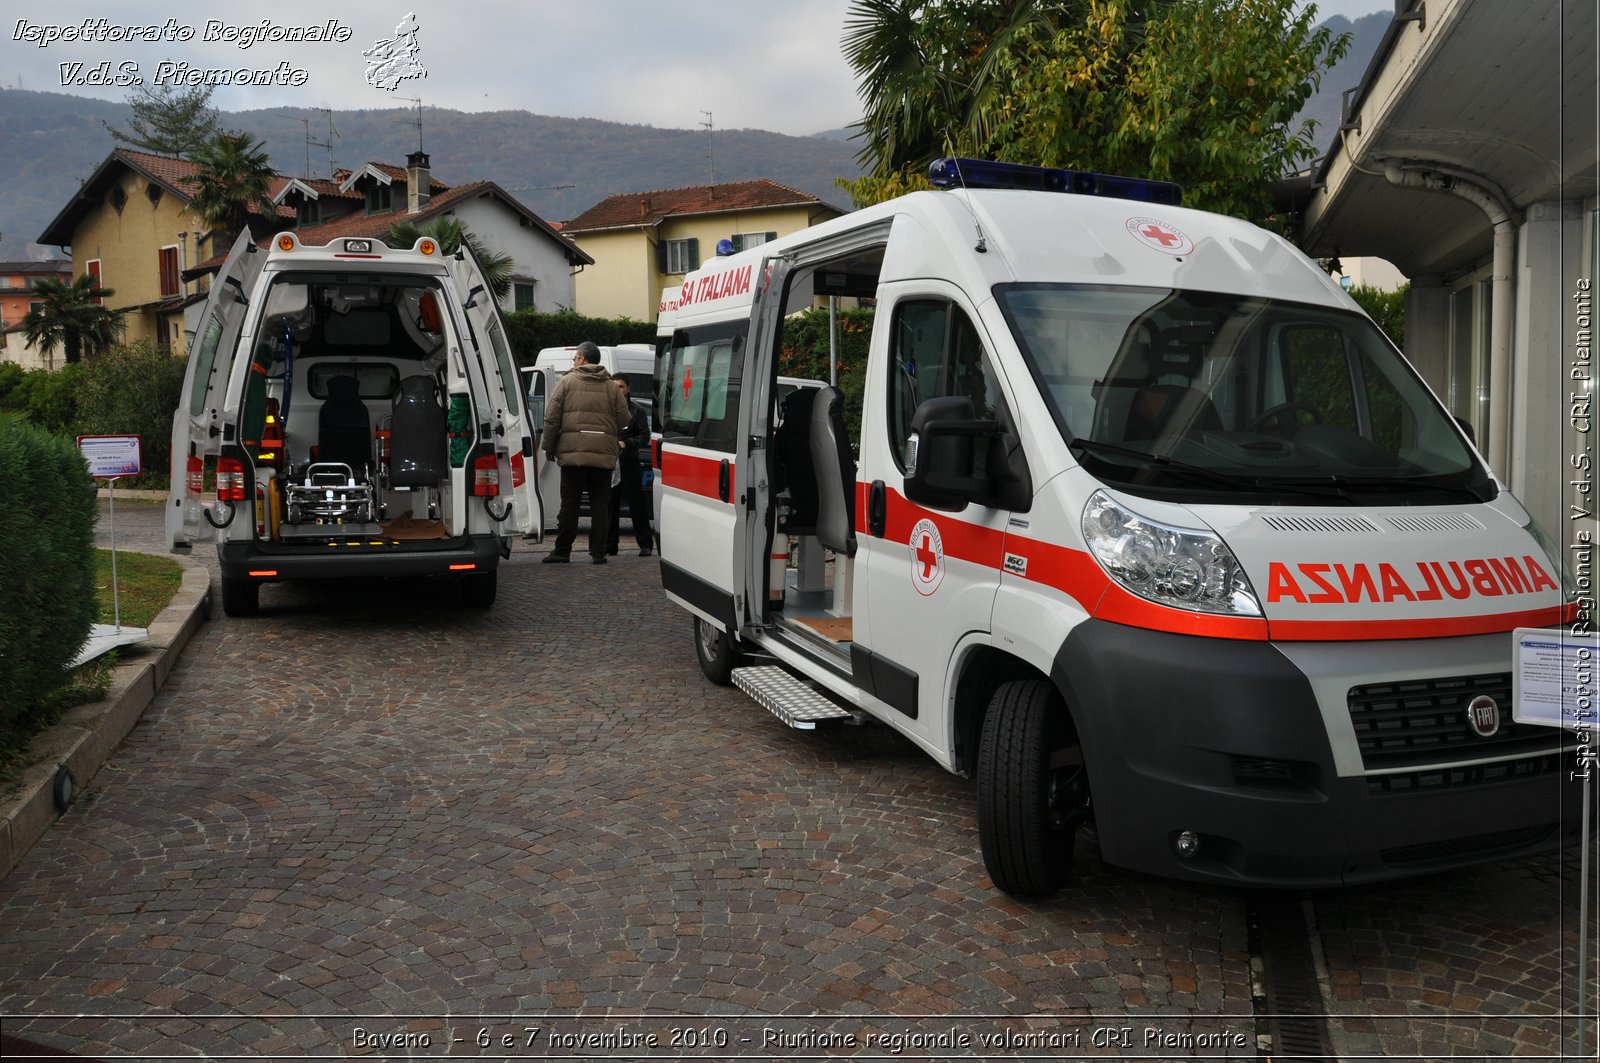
(756, 64)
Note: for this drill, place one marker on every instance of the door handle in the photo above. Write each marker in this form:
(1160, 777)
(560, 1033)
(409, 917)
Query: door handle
(877, 508)
(722, 480)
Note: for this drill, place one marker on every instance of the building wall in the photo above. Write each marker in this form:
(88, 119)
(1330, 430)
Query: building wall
(624, 281)
(127, 245)
(16, 293)
(537, 256)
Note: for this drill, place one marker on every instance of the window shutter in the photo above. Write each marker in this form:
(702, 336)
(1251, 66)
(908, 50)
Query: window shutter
(771, 237)
(693, 249)
(738, 242)
(661, 256)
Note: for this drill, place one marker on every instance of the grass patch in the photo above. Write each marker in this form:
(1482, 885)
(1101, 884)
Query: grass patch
(146, 585)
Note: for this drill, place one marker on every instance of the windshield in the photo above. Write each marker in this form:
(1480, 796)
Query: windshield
(1189, 394)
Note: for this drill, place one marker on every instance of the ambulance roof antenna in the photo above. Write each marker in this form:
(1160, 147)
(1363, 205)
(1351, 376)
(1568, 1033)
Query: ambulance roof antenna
(711, 150)
(982, 246)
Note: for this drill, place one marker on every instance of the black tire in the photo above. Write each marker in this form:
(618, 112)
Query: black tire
(478, 591)
(1033, 789)
(717, 651)
(240, 597)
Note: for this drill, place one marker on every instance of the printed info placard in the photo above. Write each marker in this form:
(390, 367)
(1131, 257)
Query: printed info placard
(1554, 678)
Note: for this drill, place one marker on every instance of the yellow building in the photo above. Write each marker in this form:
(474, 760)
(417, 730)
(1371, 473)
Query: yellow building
(644, 241)
(131, 225)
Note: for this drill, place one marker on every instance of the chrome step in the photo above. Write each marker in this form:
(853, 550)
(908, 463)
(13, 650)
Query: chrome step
(790, 700)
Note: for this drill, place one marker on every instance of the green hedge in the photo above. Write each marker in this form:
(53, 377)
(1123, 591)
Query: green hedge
(133, 391)
(805, 354)
(47, 594)
(531, 331)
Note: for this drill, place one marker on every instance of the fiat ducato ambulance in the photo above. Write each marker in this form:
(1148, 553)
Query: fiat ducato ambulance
(1141, 522)
(360, 410)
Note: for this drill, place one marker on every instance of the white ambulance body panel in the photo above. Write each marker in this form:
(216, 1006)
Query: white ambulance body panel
(359, 408)
(1139, 518)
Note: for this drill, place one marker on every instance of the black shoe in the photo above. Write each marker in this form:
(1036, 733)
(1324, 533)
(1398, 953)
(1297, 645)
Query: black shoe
(600, 560)
(556, 559)
(644, 551)
(611, 550)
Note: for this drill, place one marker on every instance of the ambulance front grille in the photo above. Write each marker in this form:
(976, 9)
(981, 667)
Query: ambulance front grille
(1420, 722)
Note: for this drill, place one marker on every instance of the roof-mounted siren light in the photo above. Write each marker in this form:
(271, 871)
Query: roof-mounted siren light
(981, 173)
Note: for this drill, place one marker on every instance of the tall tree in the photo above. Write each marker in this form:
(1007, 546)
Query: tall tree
(1200, 91)
(73, 316)
(451, 233)
(232, 179)
(169, 120)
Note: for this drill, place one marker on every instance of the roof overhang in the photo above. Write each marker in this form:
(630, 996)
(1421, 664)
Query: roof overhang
(368, 170)
(295, 185)
(1481, 92)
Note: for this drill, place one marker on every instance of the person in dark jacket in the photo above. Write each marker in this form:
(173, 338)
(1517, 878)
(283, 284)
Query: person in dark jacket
(581, 422)
(631, 486)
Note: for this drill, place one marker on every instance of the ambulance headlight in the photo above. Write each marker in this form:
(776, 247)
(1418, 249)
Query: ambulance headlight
(1186, 568)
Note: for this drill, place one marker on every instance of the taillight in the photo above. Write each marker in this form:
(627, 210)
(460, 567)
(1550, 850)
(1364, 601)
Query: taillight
(196, 478)
(486, 475)
(230, 480)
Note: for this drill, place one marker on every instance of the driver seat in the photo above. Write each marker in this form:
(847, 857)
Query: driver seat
(1169, 410)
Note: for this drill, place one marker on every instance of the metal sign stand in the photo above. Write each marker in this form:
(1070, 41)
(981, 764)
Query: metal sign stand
(111, 514)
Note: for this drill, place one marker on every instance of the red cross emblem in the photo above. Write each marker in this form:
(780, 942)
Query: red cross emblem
(927, 557)
(688, 381)
(1160, 235)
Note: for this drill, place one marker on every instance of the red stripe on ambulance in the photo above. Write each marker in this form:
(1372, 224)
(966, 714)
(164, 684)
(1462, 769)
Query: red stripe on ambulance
(695, 475)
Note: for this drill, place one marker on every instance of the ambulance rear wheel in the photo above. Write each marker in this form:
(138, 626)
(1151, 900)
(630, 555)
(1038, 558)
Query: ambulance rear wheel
(1033, 789)
(478, 591)
(717, 652)
(240, 597)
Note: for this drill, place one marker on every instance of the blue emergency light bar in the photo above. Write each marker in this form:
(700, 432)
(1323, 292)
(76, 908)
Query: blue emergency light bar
(981, 173)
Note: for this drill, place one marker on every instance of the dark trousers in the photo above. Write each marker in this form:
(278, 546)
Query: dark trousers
(575, 481)
(632, 489)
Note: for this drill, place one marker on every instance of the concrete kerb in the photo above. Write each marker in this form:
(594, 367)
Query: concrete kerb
(87, 735)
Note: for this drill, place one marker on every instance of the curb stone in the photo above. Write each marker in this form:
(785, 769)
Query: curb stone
(87, 735)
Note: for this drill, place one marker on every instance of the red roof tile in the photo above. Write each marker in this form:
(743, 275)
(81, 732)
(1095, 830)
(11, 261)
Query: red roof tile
(635, 210)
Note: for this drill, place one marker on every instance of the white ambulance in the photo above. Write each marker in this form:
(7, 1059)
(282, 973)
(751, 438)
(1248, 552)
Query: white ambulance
(360, 409)
(1144, 523)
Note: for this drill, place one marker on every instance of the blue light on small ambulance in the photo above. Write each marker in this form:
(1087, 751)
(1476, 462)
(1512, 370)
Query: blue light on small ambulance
(981, 173)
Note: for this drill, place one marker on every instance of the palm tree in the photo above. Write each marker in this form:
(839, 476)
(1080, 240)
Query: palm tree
(497, 269)
(233, 178)
(72, 315)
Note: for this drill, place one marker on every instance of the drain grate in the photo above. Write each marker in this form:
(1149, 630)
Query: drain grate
(1295, 1010)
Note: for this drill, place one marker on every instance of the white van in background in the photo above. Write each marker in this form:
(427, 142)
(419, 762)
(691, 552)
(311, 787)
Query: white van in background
(634, 362)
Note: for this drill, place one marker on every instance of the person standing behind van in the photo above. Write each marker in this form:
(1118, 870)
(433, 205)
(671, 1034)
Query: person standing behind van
(582, 421)
(631, 486)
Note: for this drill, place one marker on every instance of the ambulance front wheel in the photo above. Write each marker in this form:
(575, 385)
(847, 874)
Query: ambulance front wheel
(717, 651)
(240, 597)
(1033, 789)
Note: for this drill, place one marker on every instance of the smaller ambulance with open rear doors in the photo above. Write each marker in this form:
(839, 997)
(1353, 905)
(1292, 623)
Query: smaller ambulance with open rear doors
(1141, 522)
(360, 409)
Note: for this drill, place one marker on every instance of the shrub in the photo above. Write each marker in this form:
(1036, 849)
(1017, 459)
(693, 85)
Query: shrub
(531, 331)
(49, 399)
(1388, 309)
(11, 375)
(133, 390)
(47, 591)
(805, 354)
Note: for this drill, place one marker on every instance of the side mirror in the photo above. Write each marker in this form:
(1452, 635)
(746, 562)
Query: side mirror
(943, 455)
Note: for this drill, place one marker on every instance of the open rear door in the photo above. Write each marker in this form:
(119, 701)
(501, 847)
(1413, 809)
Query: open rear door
(198, 423)
(513, 432)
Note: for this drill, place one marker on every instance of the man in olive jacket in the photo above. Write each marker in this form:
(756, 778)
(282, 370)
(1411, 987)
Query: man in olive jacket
(582, 419)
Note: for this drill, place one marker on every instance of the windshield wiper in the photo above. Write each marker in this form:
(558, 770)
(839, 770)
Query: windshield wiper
(1161, 461)
(1386, 484)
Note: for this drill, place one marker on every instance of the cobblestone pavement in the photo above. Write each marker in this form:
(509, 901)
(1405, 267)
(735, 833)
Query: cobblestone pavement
(374, 822)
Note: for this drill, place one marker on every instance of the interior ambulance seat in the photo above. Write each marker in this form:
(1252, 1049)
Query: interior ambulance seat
(419, 438)
(836, 473)
(794, 470)
(1169, 410)
(344, 430)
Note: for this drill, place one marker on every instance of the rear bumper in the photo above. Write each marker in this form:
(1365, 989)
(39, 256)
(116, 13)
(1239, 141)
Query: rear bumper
(1227, 740)
(466, 556)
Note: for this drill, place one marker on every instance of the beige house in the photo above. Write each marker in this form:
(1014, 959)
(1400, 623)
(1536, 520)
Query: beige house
(643, 242)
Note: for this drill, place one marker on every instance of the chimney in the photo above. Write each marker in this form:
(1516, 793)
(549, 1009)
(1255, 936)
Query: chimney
(418, 181)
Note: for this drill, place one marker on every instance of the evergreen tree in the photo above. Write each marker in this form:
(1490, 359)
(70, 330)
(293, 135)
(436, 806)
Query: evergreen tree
(73, 316)
(169, 120)
(232, 179)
